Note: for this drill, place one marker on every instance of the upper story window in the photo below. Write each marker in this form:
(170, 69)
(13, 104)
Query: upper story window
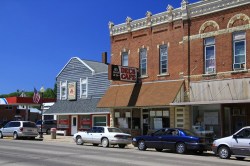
(124, 58)
(143, 61)
(84, 88)
(209, 49)
(63, 90)
(239, 50)
(163, 59)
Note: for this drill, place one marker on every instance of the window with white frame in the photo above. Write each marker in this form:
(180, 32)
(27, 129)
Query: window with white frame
(63, 90)
(124, 58)
(84, 87)
(143, 61)
(239, 48)
(163, 59)
(209, 50)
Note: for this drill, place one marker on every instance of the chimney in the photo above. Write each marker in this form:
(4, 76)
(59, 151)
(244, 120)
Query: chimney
(104, 58)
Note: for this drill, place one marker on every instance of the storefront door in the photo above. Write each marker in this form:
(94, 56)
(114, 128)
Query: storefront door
(73, 125)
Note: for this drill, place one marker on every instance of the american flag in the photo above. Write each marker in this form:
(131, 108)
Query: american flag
(36, 96)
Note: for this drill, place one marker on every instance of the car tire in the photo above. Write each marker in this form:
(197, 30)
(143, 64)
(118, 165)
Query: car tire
(141, 145)
(240, 158)
(48, 131)
(121, 145)
(105, 142)
(1, 135)
(158, 149)
(79, 140)
(224, 152)
(15, 135)
(180, 148)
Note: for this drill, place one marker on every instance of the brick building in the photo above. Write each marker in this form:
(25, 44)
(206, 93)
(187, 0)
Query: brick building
(193, 63)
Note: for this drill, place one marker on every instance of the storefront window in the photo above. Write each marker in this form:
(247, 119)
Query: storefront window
(63, 121)
(85, 122)
(206, 120)
(99, 120)
(159, 119)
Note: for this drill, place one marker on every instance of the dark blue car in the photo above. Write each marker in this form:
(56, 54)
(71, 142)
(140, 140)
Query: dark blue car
(179, 140)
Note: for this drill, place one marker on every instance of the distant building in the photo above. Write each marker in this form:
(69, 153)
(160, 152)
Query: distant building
(80, 85)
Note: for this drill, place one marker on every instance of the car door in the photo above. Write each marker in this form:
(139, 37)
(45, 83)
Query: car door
(169, 138)
(241, 142)
(155, 140)
(88, 135)
(96, 137)
(6, 130)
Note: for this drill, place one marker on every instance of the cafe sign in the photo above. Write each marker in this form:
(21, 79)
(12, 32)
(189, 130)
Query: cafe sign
(123, 73)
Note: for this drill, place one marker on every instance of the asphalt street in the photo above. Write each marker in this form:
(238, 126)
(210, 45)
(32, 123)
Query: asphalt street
(63, 152)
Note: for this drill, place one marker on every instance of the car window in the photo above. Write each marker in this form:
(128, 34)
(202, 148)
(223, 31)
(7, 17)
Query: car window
(245, 133)
(7, 125)
(159, 132)
(29, 124)
(173, 132)
(14, 124)
(114, 130)
(100, 130)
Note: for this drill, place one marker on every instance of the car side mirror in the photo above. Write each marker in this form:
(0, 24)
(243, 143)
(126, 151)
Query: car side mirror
(235, 136)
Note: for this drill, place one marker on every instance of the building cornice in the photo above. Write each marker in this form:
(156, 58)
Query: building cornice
(186, 11)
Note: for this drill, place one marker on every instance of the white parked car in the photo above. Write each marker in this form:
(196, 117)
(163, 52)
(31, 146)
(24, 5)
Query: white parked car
(237, 145)
(103, 135)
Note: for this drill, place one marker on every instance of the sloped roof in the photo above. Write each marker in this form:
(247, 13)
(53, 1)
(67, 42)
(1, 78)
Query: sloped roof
(93, 66)
(76, 107)
(98, 67)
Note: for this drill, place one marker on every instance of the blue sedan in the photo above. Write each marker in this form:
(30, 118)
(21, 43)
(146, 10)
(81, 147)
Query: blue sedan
(179, 140)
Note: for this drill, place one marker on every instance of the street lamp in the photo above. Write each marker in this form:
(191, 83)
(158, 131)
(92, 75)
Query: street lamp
(41, 91)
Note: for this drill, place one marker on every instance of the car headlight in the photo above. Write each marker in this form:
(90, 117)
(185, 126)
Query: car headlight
(134, 139)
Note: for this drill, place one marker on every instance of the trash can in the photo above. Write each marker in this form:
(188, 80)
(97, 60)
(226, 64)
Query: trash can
(53, 133)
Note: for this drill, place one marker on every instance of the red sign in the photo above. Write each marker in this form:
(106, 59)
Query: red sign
(64, 121)
(123, 73)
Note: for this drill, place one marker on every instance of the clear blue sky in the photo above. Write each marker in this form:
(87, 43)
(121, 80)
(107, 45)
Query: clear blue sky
(38, 37)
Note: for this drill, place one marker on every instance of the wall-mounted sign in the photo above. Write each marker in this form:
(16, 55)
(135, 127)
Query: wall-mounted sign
(72, 91)
(123, 73)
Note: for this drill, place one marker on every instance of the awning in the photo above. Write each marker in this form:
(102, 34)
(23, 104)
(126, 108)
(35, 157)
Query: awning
(117, 96)
(158, 93)
(84, 106)
(141, 95)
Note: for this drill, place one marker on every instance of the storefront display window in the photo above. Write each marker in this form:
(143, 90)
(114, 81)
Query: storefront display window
(99, 120)
(85, 122)
(159, 118)
(206, 121)
(63, 121)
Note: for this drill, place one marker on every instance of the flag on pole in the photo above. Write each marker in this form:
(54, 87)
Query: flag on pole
(36, 96)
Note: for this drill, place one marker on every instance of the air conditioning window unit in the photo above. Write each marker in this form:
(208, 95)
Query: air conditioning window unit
(210, 70)
(239, 66)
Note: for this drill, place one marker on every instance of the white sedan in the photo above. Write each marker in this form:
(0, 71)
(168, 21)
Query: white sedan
(103, 135)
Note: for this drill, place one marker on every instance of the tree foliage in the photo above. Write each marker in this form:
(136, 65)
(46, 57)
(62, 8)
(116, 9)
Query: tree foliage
(49, 93)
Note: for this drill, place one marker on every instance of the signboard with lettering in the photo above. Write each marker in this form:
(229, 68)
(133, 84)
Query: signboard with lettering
(123, 73)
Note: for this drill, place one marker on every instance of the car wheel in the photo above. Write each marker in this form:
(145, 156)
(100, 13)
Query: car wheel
(240, 158)
(79, 140)
(95, 144)
(158, 149)
(1, 135)
(224, 152)
(15, 135)
(180, 148)
(105, 142)
(141, 145)
(121, 145)
(48, 131)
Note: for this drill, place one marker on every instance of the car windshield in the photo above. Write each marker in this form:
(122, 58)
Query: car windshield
(29, 124)
(189, 133)
(114, 130)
